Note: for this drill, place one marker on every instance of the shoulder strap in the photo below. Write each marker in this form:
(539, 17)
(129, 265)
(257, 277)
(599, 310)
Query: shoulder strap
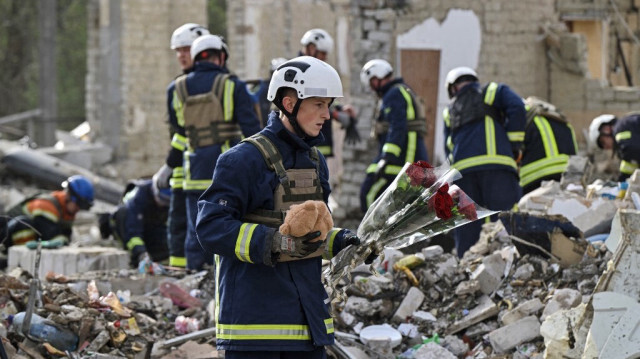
(181, 88)
(269, 152)
(218, 85)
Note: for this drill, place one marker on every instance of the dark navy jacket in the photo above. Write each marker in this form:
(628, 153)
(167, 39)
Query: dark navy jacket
(262, 308)
(627, 134)
(488, 144)
(201, 161)
(398, 145)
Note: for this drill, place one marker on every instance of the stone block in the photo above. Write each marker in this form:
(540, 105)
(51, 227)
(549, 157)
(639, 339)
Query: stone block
(626, 94)
(523, 310)
(565, 298)
(410, 304)
(489, 273)
(69, 260)
(486, 308)
(468, 287)
(508, 337)
(432, 251)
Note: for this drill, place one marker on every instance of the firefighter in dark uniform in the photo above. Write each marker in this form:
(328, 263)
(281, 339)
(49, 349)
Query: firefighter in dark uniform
(265, 307)
(212, 111)
(140, 222)
(171, 174)
(484, 132)
(548, 142)
(399, 128)
(621, 135)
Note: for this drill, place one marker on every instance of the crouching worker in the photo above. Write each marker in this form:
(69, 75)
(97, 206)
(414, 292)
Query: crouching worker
(47, 216)
(266, 305)
(140, 222)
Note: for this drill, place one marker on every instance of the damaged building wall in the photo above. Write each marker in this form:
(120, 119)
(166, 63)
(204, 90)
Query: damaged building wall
(126, 86)
(594, 59)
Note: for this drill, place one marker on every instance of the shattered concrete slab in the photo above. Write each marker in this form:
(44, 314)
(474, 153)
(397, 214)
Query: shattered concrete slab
(509, 336)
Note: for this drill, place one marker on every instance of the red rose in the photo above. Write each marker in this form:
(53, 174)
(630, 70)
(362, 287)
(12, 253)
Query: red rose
(466, 206)
(421, 174)
(442, 202)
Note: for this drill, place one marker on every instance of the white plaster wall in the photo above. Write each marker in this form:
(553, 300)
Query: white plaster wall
(459, 39)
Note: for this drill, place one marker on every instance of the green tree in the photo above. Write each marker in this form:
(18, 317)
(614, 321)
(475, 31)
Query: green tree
(217, 12)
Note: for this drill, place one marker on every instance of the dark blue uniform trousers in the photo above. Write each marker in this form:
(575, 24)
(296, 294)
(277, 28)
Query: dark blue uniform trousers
(493, 189)
(177, 223)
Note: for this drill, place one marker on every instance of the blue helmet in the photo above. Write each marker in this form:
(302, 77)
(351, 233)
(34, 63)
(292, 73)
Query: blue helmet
(80, 191)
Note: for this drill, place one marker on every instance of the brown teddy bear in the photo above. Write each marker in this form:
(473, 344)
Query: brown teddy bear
(307, 217)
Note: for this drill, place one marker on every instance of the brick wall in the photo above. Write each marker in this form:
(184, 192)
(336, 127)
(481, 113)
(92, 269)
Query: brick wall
(130, 66)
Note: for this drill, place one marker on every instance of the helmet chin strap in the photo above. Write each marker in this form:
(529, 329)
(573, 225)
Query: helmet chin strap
(292, 116)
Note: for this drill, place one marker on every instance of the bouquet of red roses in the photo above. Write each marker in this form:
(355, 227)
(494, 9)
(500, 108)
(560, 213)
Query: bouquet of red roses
(421, 199)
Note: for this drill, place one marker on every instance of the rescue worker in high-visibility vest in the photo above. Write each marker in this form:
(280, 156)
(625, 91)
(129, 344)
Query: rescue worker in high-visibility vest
(267, 307)
(212, 111)
(399, 129)
(140, 222)
(171, 174)
(318, 43)
(621, 135)
(548, 143)
(484, 132)
(47, 216)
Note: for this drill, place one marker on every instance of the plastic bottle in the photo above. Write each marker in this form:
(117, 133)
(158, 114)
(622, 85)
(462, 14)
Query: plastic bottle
(47, 331)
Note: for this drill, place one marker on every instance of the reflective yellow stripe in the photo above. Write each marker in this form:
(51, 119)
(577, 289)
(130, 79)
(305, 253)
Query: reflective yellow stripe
(134, 241)
(23, 236)
(328, 249)
(490, 95)
(624, 135)
(543, 167)
(372, 168)
(216, 314)
(44, 213)
(179, 142)
(371, 195)
(516, 136)
(490, 135)
(178, 108)
(229, 85)
(176, 183)
(573, 138)
(225, 146)
(196, 184)
(244, 240)
(484, 160)
(178, 172)
(262, 331)
(325, 150)
(548, 139)
(411, 146)
(411, 113)
(177, 261)
(392, 170)
(446, 117)
(449, 144)
(392, 148)
(328, 323)
(627, 167)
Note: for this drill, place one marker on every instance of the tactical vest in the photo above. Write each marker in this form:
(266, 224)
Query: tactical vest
(470, 107)
(296, 186)
(205, 122)
(416, 122)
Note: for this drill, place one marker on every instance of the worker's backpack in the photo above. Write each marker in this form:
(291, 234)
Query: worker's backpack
(538, 107)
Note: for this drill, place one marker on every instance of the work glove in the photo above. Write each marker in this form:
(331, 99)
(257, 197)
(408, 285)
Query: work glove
(161, 178)
(352, 136)
(297, 247)
(351, 238)
(50, 244)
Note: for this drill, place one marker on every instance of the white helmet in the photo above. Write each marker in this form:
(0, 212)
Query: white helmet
(318, 37)
(375, 68)
(454, 75)
(208, 42)
(276, 62)
(594, 127)
(307, 75)
(186, 34)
